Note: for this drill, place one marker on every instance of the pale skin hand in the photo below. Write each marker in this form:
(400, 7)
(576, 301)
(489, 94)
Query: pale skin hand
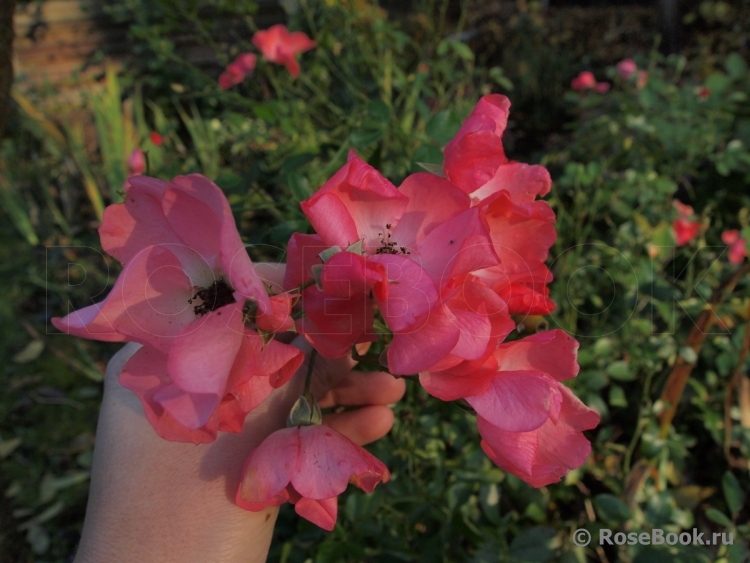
(157, 501)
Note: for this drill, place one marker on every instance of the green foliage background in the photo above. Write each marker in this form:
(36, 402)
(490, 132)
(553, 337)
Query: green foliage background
(396, 90)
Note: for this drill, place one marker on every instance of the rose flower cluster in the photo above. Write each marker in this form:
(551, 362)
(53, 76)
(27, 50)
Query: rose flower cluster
(438, 264)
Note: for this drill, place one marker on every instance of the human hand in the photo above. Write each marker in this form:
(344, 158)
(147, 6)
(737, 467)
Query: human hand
(154, 500)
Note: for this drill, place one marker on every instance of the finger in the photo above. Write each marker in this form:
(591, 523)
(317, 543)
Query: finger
(362, 426)
(329, 372)
(365, 388)
(363, 347)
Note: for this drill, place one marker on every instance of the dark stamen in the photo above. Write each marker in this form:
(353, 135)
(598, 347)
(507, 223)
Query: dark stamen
(387, 246)
(213, 297)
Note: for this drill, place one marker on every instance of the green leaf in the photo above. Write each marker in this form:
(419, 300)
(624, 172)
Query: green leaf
(733, 493)
(50, 484)
(655, 555)
(487, 553)
(462, 50)
(737, 552)
(296, 161)
(379, 111)
(299, 186)
(265, 112)
(611, 508)
(362, 139)
(38, 539)
(360, 506)
(497, 74)
(535, 545)
(718, 82)
(536, 512)
(13, 204)
(746, 236)
(689, 355)
(436, 169)
(231, 183)
(617, 397)
(428, 154)
(489, 497)
(735, 65)
(29, 353)
(442, 126)
(331, 552)
(718, 517)
(621, 371)
(7, 447)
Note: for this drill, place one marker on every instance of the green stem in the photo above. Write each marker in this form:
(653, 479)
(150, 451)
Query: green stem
(643, 413)
(308, 377)
(322, 95)
(305, 285)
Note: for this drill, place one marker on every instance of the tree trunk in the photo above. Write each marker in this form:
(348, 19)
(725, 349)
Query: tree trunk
(7, 7)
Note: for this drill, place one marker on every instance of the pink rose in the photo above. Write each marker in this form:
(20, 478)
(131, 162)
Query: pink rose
(237, 70)
(522, 406)
(685, 230)
(475, 162)
(538, 360)
(737, 245)
(156, 138)
(585, 80)
(308, 466)
(683, 227)
(280, 46)
(626, 68)
(137, 162)
(544, 455)
(413, 241)
(642, 79)
(182, 293)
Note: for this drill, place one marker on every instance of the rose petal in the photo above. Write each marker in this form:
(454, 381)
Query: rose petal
(145, 373)
(422, 347)
(328, 461)
(516, 401)
(201, 358)
(269, 469)
(432, 201)
(411, 292)
(553, 352)
(322, 512)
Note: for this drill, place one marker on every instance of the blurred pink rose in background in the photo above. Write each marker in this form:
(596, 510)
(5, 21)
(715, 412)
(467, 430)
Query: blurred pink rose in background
(737, 245)
(280, 46)
(583, 81)
(626, 68)
(237, 70)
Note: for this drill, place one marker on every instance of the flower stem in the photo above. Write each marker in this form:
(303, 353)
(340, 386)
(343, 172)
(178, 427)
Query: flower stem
(305, 285)
(308, 377)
